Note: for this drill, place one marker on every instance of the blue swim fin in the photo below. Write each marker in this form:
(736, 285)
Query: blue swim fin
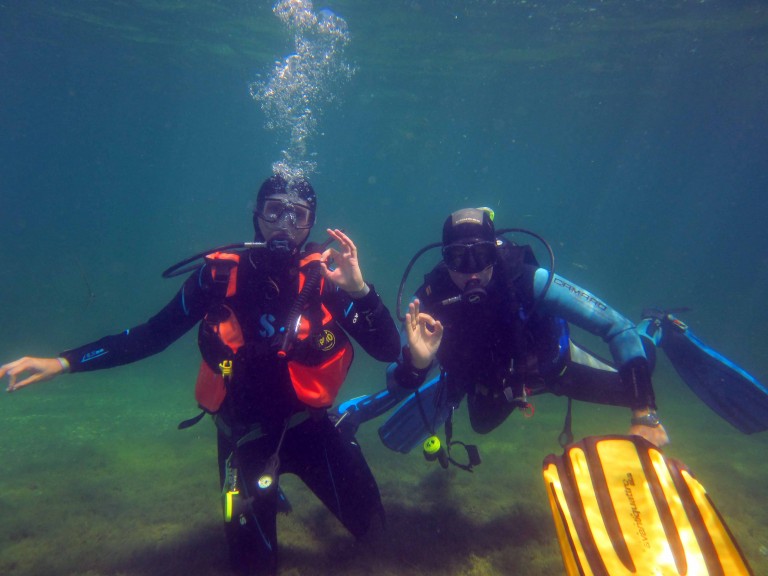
(722, 385)
(418, 418)
(360, 409)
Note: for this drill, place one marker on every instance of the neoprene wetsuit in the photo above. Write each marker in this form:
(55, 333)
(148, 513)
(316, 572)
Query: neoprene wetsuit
(496, 343)
(261, 402)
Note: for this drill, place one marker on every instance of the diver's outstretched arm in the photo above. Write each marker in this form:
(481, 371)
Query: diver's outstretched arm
(41, 369)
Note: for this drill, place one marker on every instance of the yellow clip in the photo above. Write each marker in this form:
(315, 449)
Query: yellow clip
(229, 504)
(226, 368)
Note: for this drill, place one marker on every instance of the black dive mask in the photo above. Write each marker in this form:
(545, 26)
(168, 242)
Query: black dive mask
(469, 258)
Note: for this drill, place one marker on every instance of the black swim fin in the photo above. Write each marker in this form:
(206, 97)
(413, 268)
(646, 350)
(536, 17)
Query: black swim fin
(620, 507)
(723, 386)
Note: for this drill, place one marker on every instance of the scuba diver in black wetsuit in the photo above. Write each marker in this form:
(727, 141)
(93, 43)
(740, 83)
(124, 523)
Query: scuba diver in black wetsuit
(495, 324)
(273, 332)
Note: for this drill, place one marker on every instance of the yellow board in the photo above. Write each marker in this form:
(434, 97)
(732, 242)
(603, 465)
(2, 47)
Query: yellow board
(621, 508)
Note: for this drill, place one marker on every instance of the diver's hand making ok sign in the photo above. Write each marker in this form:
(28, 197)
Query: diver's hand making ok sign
(346, 272)
(424, 335)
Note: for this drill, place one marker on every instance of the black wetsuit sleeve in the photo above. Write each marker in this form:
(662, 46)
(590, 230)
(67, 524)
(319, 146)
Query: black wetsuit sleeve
(177, 317)
(406, 374)
(368, 321)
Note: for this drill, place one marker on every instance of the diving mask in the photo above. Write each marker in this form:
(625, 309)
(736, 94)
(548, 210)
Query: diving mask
(278, 210)
(469, 258)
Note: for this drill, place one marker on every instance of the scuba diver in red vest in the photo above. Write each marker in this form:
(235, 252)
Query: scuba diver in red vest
(274, 332)
(495, 326)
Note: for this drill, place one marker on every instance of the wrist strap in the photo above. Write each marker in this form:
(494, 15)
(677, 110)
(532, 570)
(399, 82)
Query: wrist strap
(64, 363)
(362, 293)
(651, 420)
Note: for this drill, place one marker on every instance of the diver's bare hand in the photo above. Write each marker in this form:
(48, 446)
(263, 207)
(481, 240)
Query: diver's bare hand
(424, 335)
(41, 369)
(346, 275)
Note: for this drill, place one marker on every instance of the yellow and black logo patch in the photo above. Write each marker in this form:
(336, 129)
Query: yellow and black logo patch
(325, 340)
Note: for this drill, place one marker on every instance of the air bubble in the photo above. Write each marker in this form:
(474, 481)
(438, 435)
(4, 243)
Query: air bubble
(294, 95)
